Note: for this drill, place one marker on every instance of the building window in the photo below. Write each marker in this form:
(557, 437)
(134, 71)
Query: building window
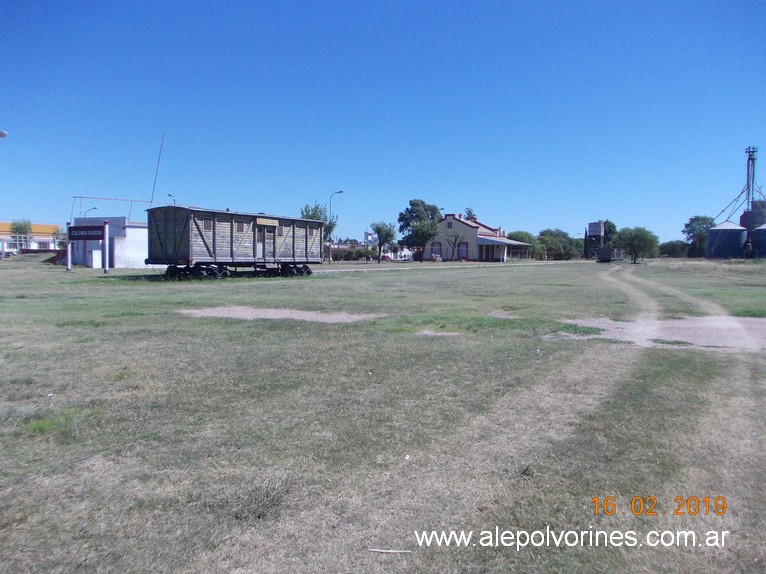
(280, 231)
(240, 226)
(311, 232)
(462, 250)
(207, 224)
(449, 225)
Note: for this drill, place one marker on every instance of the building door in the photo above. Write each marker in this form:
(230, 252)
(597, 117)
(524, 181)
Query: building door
(258, 243)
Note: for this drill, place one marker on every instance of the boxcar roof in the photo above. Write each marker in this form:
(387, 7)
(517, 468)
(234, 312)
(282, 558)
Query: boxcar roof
(228, 212)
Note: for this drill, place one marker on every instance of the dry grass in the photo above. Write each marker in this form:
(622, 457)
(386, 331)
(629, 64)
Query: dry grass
(137, 439)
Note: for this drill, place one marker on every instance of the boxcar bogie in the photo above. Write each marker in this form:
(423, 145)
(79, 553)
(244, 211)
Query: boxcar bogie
(201, 243)
(200, 271)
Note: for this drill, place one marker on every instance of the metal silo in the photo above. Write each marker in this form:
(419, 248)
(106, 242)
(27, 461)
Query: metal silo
(755, 216)
(758, 238)
(726, 241)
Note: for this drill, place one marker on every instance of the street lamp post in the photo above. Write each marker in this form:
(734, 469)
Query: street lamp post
(3, 135)
(330, 221)
(85, 241)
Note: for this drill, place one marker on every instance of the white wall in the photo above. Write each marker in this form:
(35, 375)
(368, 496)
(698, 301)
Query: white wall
(129, 244)
(131, 251)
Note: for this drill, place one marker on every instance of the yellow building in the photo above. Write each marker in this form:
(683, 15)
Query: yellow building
(42, 236)
(463, 239)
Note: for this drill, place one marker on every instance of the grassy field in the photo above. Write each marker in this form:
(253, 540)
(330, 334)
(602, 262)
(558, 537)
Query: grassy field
(135, 438)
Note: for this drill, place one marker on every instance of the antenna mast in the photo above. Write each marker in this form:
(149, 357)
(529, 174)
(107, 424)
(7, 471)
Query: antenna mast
(750, 186)
(157, 170)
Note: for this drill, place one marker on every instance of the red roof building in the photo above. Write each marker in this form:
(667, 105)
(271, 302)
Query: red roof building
(463, 239)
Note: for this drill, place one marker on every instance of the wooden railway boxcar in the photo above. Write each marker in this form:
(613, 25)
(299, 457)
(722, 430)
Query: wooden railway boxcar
(201, 242)
(607, 254)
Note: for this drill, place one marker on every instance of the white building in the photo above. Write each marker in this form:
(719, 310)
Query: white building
(128, 243)
(41, 237)
(404, 254)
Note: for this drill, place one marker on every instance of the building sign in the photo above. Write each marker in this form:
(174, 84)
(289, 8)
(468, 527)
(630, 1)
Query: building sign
(86, 232)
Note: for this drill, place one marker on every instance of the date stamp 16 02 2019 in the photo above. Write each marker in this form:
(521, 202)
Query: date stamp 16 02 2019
(647, 506)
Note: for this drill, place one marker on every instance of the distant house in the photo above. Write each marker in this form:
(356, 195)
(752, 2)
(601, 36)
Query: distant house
(42, 237)
(404, 254)
(463, 239)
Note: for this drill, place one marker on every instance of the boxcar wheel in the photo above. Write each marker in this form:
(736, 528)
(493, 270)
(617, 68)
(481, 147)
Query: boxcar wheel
(288, 270)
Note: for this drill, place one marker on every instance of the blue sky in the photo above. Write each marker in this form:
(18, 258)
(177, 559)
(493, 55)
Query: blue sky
(534, 114)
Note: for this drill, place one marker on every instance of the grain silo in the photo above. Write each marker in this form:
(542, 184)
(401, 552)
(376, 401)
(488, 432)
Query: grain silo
(729, 240)
(726, 241)
(755, 216)
(758, 239)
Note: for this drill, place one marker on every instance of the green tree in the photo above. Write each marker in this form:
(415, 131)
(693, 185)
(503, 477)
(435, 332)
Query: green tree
(564, 244)
(417, 212)
(637, 242)
(59, 238)
(21, 229)
(422, 233)
(695, 231)
(453, 240)
(536, 251)
(523, 236)
(610, 229)
(386, 234)
(535, 248)
(677, 248)
(577, 247)
(552, 247)
(469, 213)
(319, 212)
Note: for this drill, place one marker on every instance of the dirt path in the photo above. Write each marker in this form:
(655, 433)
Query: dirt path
(715, 331)
(499, 449)
(253, 313)
(733, 429)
